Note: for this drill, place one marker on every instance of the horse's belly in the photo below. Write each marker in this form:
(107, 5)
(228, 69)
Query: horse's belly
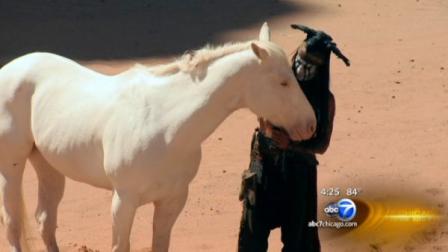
(169, 178)
(80, 165)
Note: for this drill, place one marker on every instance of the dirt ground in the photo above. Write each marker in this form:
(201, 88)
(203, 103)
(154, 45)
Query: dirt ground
(390, 134)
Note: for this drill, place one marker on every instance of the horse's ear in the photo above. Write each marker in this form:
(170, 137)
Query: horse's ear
(259, 51)
(265, 32)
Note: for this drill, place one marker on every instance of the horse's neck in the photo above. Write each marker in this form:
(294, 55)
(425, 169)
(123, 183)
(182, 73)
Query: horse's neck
(205, 105)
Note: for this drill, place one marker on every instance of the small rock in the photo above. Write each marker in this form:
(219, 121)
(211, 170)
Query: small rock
(442, 68)
(224, 171)
(393, 97)
(434, 191)
(375, 247)
(339, 5)
(220, 138)
(438, 248)
(397, 82)
(412, 60)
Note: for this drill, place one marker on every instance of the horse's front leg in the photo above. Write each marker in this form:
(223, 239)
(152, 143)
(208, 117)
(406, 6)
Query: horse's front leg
(124, 205)
(165, 215)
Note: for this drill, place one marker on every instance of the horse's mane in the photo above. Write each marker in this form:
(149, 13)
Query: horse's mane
(192, 61)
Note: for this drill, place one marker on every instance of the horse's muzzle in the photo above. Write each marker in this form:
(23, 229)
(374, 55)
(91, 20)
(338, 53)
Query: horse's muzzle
(305, 132)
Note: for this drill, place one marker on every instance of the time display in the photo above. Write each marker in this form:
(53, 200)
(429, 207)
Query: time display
(331, 191)
(336, 191)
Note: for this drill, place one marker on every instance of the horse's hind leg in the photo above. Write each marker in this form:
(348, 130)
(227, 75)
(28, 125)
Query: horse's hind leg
(51, 190)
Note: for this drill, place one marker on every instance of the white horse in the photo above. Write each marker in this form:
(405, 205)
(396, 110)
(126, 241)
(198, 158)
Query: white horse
(138, 133)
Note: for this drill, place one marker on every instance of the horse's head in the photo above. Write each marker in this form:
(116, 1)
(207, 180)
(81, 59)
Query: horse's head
(273, 92)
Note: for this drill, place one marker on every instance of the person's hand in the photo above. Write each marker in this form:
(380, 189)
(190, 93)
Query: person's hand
(281, 138)
(265, 127)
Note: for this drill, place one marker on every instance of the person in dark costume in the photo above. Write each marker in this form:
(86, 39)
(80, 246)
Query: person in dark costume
(279, 190)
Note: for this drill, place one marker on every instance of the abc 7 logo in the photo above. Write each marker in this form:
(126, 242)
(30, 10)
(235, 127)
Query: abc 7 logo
(344, 209)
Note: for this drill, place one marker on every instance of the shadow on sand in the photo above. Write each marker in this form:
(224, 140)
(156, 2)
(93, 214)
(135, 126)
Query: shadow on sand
(116, 29)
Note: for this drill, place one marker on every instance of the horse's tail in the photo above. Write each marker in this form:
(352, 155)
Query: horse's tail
(24, 223)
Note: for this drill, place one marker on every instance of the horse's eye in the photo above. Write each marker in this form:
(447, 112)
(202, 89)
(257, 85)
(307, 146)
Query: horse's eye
(284, 84)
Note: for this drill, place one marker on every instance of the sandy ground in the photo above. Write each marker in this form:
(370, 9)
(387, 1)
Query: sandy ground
(390, 130)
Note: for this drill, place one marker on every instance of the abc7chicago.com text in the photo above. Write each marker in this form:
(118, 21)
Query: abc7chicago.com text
(333, 224)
